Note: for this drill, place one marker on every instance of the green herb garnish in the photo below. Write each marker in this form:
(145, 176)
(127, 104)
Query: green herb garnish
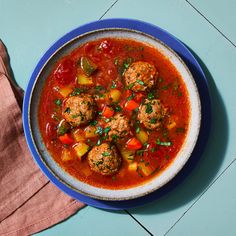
(58, 102)
(148, 108)
(150, 96)
(158, 142)
(140, 82)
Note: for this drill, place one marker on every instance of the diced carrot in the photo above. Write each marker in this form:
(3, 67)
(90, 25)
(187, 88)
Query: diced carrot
(134, 144)
(108, 112)
(131, 105)
(66, 139)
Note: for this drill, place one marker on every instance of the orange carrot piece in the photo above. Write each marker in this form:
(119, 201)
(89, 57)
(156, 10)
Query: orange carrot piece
(134, 144)
(66, 139)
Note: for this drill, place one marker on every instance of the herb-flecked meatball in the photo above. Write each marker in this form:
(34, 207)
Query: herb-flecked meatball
(119, 127)
(104, 159)
(151, 113)
(79, 110)
(140, 76)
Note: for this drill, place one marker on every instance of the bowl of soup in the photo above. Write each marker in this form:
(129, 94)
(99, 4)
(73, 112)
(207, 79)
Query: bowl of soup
(114, 114)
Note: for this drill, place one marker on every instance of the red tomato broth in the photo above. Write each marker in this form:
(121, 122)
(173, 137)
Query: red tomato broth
(170, 90)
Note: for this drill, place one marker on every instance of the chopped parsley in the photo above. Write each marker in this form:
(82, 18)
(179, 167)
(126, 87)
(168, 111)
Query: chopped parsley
(153, 121)
(106, 154)
(107, 129)
(99, 88)
(114, 85)
(131, 97)
(118, 108)
(130, 86)
(99, 130)
(137, 130)
(158, 142)
(150, 96)
(148, 108)
(58, 102)
(77, 91)
(140, 82)
(93, 122)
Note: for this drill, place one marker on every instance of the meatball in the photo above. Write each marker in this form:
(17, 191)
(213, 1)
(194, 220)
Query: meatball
(140, 76)
(104, 159)
(119, 127)
(151, 113)
(79, 110)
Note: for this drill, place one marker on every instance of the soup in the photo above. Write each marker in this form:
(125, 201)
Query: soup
(114, 113)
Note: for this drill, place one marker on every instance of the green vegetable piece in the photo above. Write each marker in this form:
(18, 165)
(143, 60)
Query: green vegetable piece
(150, 96)
(87, 66)
(140, 82)
(148, 108)
(63, 127)
(58, 102)
(158, 142)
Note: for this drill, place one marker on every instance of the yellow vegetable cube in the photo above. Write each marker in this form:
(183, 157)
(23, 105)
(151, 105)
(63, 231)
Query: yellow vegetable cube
(81, 149)
(65, 91)
(84, 80)
(171, 124)
(66, 155)
(90, 132)
(115, 95)
(142, 136)
(78, 135)
(128, 155)
(145, 168)
(133, 166)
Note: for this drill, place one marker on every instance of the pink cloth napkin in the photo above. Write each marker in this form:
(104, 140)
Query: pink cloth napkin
(28, 201)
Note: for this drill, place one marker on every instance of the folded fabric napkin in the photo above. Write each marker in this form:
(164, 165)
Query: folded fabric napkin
(28, 201)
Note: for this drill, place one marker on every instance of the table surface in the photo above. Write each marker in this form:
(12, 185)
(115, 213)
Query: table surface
(205, 203)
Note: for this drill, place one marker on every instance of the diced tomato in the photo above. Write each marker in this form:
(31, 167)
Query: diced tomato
(131, 105)
(134, 144)
(108, 112)
(65, 73)
(127, 93)
(138, 97)
(66, 139)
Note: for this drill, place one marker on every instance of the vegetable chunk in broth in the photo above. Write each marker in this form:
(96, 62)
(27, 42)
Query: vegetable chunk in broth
(114, 113)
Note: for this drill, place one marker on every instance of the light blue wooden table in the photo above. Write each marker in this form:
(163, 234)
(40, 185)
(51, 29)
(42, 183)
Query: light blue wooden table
(205, 203)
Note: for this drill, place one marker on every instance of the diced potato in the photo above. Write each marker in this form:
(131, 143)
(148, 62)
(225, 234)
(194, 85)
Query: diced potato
(128, 155)
(171, 124)
(142, 136)
(133, 166)
(145, 169)
(66, 155)
(115, 95)
(84, 80)
(90, 132)
(65, 91)
(81, 149)
(79, 135)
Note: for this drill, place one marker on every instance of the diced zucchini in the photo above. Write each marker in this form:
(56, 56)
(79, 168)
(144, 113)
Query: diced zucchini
(66, 155)
(90, 132)
(133, 166)
(145, 169)
(142, 136)
(65, 91)
(128, 155)
(84, 80)
(81, 149)
(115, 95)
(79, 135)
(87, 66)
(63, 127)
